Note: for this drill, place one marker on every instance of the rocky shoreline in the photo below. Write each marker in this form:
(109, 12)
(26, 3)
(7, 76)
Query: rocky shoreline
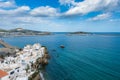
(38, 65)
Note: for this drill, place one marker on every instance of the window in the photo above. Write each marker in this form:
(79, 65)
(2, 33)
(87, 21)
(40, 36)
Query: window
(11, 72)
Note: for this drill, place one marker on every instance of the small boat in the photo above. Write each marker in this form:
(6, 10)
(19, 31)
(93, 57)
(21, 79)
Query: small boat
(62, 46)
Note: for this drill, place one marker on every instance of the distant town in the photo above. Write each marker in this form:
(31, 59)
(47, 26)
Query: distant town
(21, 32)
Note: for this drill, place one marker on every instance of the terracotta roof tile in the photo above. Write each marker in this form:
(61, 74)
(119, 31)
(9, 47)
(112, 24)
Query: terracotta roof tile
(3, 73)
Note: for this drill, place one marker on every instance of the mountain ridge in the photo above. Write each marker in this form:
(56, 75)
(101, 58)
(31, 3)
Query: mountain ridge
(22, 32)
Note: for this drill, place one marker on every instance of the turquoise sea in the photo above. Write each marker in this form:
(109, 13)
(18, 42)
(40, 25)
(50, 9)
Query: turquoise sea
(91, 57)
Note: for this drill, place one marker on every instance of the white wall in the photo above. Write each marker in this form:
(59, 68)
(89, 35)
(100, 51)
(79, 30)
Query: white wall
(5, 78)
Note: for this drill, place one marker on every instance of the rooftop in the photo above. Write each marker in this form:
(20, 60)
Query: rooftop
(3, 73)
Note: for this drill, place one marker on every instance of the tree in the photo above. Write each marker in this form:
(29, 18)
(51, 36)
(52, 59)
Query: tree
(28, 67)
(2, 56)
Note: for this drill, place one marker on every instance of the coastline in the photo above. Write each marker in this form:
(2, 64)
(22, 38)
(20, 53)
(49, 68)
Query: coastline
(80, 52)
(25, 35)
(27, 61)
(21, 32)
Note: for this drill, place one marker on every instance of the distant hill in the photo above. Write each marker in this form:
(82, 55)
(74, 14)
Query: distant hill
(21, 32)
(2, 30)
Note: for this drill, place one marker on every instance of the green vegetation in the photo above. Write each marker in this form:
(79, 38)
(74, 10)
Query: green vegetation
(2, 56)
(2, 30)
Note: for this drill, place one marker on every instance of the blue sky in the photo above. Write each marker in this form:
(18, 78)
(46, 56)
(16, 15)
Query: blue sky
(61, 15)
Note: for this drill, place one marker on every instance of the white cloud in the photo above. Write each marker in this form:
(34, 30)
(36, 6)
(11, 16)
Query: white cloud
(100, 17)
(64, 2)
(16, 11)
(87, 6)
(44, 11)
(9, 8)
(6, 4)
(22, 9)
(25, 17)
(114, 20)
(30, 20)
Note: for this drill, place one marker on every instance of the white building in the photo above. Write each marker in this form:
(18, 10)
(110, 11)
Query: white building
(15, 67)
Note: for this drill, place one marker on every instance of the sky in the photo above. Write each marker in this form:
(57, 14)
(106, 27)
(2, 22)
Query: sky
(61, 15)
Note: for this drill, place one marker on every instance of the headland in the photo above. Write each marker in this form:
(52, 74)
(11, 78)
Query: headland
(26, 64)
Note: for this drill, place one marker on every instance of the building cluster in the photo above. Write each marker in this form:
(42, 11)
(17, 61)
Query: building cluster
(19, 67)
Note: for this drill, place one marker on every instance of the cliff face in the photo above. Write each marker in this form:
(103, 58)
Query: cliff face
(39, 66)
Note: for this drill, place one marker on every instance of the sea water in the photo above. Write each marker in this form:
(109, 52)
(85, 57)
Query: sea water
(90, 57)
